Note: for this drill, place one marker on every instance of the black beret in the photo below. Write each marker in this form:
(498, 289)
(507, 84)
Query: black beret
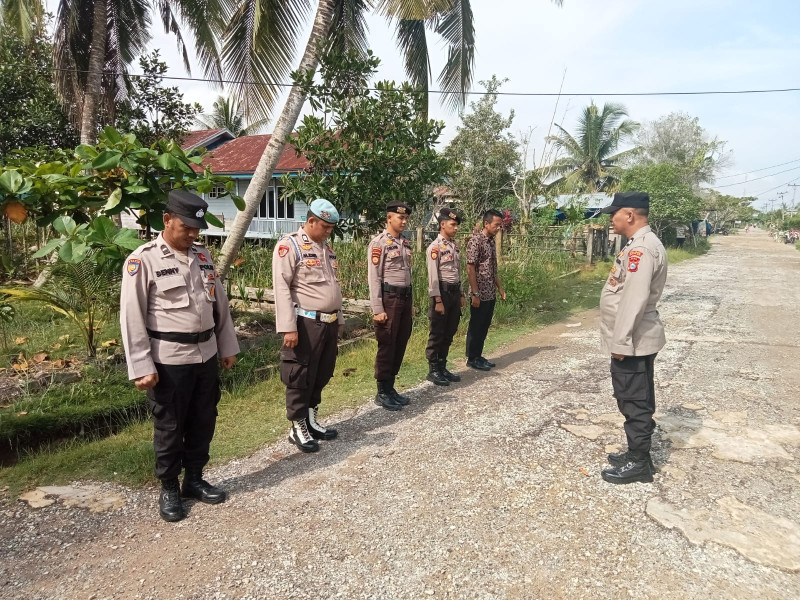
(398, 207)
(190, 208)
(448, 214)
(628, 200)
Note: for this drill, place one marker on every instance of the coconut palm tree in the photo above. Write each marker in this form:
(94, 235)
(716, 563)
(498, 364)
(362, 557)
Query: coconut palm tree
(591, 162)
(228, 114)
(96, 40)
(258, 51)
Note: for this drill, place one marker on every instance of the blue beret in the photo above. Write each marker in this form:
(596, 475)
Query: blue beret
(324, 210)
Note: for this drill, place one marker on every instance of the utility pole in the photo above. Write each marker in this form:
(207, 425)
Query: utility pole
(780, 199)
(794, 192)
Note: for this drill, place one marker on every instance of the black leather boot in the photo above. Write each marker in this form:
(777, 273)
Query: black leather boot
(617, 459)
(301, 437)
(169, 501)
(487, 362)
(477, 363)
(384, 397)
(447, 374)
(194, 486)
(435, 373)
(398, 397)
(317, 431)
(632, 471)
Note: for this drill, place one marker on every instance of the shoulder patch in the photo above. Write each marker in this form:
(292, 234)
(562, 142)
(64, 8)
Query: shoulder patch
(283, 250)
(376, 255)
(633, 266)
(133, 266)
(635, 253)
(434, 254)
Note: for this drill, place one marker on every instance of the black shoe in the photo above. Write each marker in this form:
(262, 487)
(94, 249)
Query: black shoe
(630, 472)
(385, 398)
(194, 486)
(300, 437)
(477, 363)
(618, 459)
(435, 373)
(400, 398)
(487, 362)
(317, 431)
(169, 501)
(447, 374)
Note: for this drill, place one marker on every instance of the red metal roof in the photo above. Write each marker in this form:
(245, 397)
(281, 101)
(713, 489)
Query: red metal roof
(241, 156)
(193, 138)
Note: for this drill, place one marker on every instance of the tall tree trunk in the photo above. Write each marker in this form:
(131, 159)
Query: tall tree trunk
(283, 129)
(94, 79)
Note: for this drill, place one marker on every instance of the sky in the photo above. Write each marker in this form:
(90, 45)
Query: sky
(617, 46)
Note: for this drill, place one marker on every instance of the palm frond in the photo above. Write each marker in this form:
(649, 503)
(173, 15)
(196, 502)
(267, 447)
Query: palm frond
(349, 29)
(205, 20)
(24, 17)
(457, 27)
(415, 10)
(258, 50)
(413, 45)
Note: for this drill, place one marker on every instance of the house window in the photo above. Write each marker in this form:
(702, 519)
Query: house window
(218, 191)
(272, 208)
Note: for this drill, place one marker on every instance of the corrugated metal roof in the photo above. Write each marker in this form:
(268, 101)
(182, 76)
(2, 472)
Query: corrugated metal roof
(199, 137)
(241, 155)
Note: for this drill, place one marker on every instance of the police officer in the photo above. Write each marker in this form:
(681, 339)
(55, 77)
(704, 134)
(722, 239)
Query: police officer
(308, 312)
(389, 274)
(447, 297)
(175, 322)
(632, 333)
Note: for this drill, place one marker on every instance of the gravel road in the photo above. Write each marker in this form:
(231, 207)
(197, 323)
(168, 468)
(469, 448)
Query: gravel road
(492, 488)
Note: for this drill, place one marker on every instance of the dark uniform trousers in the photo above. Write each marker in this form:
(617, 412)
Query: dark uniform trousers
(634, 389)
(184, 407)
(479, 321)
(309, 366)
(392, 335)
(443, 326)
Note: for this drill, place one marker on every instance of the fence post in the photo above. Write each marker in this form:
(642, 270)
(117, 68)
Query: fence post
(498, 243)
(419, 239)
(589, 244)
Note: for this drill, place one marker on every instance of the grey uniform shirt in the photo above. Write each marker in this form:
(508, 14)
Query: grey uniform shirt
(305, 274)
(629, 322)
(444, 264)
(165, 291)
(389, 262)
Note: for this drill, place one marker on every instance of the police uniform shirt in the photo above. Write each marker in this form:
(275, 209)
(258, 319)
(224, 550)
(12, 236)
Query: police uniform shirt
(305, 274)
(629, 321)
(163, 290)
(389, 262)
(444, 264)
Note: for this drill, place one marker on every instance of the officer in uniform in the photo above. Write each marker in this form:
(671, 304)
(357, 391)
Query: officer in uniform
(447, 297)
(389, 274)
(632, 333)
(175, 323)
(308, 312)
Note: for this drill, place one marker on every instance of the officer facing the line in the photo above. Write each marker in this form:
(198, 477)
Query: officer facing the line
(175, 322)
(447, 298)
(389, 274)
(308, 312)
(632, 333)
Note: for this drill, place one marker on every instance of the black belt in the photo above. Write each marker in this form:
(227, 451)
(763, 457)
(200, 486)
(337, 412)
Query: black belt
(449, 287)
(182, 338)
(394, 289)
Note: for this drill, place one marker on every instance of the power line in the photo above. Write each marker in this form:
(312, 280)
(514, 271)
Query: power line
(470, 93)
(757, 170)
(776, 187)
(757, 178)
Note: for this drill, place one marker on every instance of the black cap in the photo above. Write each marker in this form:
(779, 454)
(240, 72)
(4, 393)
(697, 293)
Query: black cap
(190, 208)
(628, 200)
(448, 214)
(398, 207)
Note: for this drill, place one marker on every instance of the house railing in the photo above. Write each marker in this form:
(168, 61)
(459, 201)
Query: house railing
(272, 228)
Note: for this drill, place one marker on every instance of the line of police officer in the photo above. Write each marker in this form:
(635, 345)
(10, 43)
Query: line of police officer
(176, 321)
